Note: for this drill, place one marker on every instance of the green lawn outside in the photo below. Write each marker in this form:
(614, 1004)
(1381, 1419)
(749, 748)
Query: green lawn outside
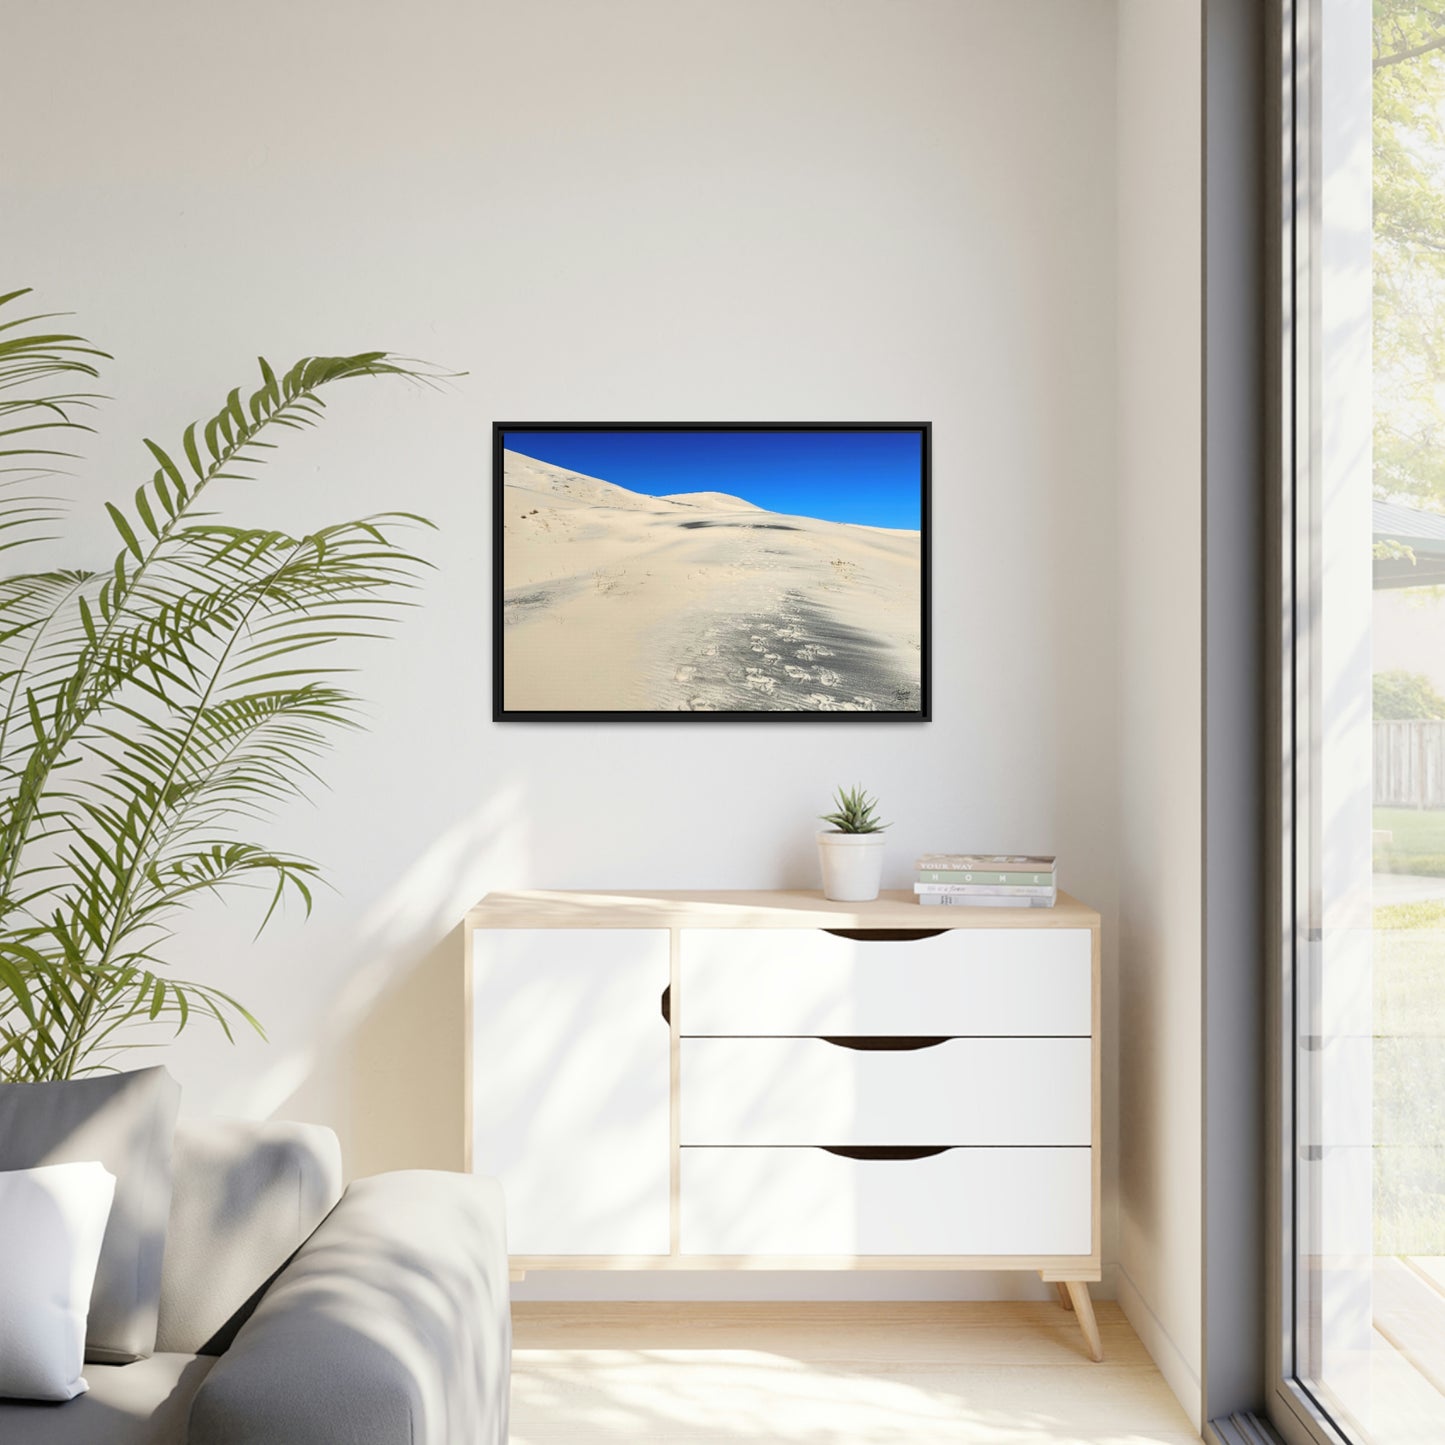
(1417, 841)
(1409, 1078)
(1409, 1042)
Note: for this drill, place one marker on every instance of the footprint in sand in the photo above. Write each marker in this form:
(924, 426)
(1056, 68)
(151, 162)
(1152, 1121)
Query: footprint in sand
(684, 674)
(826, 702)
(798, 674)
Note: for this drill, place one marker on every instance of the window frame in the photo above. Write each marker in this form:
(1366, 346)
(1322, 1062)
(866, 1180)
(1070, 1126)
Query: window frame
(1293, 449)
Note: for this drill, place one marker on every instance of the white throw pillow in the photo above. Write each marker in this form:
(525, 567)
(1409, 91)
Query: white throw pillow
(52, 1220)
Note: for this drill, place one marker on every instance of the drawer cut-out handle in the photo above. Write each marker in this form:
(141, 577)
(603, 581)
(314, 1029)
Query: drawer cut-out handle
(885, 935)
(882, 1042)
(667, 1005)
(885, 1151)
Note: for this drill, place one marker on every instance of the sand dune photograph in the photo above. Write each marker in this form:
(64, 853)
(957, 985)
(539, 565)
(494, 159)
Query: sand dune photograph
(689, 570)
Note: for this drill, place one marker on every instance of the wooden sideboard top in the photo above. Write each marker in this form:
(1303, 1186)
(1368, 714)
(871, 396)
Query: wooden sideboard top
(797, 908)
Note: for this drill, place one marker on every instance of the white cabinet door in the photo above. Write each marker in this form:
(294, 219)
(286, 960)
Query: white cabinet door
(570, 1086)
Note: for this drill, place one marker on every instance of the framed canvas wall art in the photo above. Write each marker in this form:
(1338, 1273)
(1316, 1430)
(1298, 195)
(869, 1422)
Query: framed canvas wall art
(747, 571)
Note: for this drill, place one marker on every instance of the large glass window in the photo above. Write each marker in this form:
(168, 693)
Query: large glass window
(1367, 1076)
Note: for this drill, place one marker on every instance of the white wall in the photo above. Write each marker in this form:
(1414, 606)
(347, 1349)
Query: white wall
(667, 209)
(1159, 999)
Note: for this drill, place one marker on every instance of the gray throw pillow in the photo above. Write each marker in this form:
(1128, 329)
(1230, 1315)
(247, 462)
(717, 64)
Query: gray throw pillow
(126, 1122)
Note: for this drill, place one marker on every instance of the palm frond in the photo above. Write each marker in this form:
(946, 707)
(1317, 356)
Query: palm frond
(150, 711)
(38, 366)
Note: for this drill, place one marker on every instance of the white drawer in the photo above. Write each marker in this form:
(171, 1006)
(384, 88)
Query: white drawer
(961, 1091)
(808, 1202)
(962, 981)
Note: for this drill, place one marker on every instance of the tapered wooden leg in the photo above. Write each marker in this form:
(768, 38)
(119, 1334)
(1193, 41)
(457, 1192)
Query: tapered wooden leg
(517, 1275)
(1063, 1290)
(1084, 1309)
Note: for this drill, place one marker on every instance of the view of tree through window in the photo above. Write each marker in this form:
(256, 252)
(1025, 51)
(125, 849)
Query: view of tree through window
(1409, 251)
(1408, 474)
(1377, 1351)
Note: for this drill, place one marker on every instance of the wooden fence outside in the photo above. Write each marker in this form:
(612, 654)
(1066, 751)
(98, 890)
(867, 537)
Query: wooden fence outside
(1410, 764)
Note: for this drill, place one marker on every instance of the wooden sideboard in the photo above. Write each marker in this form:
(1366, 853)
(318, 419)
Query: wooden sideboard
(723, 1081)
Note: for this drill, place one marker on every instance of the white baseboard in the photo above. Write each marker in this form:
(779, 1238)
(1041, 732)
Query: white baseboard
(1177, 1372)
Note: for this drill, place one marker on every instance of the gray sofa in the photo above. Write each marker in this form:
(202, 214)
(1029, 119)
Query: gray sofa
(295, 1314)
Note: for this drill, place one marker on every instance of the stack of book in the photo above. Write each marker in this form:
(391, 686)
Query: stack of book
(987, 880)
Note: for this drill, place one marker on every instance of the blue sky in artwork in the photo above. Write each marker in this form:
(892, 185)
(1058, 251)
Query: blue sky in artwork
(872, 477)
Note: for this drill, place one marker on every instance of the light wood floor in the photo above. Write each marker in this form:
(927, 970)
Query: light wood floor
(832, 1374)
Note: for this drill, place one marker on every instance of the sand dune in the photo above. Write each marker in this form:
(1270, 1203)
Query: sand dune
(717, 501)
(617, 601)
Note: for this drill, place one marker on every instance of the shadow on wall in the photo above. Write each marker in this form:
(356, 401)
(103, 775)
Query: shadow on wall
(385, 1067)
(401, 1068)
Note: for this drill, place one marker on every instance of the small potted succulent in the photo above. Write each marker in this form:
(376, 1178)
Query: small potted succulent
(851, 851)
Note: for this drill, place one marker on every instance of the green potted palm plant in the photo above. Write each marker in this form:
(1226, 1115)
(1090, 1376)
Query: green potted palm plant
(154, 710)
(851, 851)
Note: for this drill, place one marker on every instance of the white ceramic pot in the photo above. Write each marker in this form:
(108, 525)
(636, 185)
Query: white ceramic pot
(852, 865)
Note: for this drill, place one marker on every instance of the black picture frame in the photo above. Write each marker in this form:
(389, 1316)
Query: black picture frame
(501, 713)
